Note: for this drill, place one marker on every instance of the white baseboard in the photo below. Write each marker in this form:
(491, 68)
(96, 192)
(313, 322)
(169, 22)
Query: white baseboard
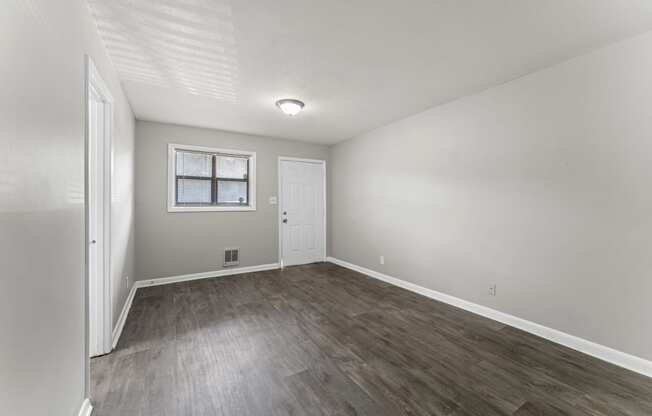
(86, 408)
(205, 275)
(119, 326)
(602, 352)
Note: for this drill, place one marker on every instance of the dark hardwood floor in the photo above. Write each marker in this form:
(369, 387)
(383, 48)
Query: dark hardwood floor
(323, 340)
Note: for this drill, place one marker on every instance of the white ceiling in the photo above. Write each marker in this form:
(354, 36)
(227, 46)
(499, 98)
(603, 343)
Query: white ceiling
(356, 64)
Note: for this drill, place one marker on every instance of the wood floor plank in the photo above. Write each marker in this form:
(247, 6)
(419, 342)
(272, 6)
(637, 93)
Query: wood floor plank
(323, 340)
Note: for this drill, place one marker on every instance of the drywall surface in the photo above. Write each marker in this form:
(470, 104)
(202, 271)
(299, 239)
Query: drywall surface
(43, 359)
(541, 186)
(177, 243)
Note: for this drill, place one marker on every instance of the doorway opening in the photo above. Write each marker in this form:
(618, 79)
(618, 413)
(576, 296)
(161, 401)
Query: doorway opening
(99, 122)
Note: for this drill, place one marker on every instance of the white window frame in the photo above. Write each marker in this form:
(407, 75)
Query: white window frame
(172, 207)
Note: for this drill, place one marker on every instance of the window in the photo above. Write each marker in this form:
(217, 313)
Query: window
(205, 179)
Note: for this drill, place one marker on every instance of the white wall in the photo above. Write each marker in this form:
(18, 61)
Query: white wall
(176, 243)
(43, 363)
(542, 186)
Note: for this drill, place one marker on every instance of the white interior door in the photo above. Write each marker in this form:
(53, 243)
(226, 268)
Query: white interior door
(302, 209)
(96, 191)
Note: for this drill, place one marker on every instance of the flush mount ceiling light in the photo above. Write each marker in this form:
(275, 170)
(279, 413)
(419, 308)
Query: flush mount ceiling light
(290, 106)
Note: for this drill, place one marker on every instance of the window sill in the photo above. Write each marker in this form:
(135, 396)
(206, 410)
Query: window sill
(210, 209)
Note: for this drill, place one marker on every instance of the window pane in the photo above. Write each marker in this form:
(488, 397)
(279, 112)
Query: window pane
(193, 191)
(231, 192)
(232, 167)
(194, 164)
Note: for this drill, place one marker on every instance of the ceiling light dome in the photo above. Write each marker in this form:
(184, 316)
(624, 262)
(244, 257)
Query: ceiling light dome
(290, 106)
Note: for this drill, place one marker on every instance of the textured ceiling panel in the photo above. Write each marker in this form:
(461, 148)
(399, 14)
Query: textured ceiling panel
(186, 45)
(357, 64)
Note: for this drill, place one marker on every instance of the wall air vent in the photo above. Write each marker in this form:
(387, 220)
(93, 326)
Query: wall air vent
(231, 256)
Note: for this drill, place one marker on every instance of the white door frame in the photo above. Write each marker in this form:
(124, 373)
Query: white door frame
(94, 80)
(280, 198)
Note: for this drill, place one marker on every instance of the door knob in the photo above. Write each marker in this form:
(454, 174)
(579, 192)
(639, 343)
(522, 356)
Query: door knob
(285, 220)
(93, 241)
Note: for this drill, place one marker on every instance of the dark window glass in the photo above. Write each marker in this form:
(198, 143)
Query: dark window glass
(205, 179)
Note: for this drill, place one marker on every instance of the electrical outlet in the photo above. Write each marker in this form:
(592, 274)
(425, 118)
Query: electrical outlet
(492, 290)
(382, 259)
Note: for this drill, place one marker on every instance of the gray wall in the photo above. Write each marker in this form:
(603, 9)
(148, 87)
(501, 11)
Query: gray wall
(43, 361)
(175, 243)
(542, 186)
